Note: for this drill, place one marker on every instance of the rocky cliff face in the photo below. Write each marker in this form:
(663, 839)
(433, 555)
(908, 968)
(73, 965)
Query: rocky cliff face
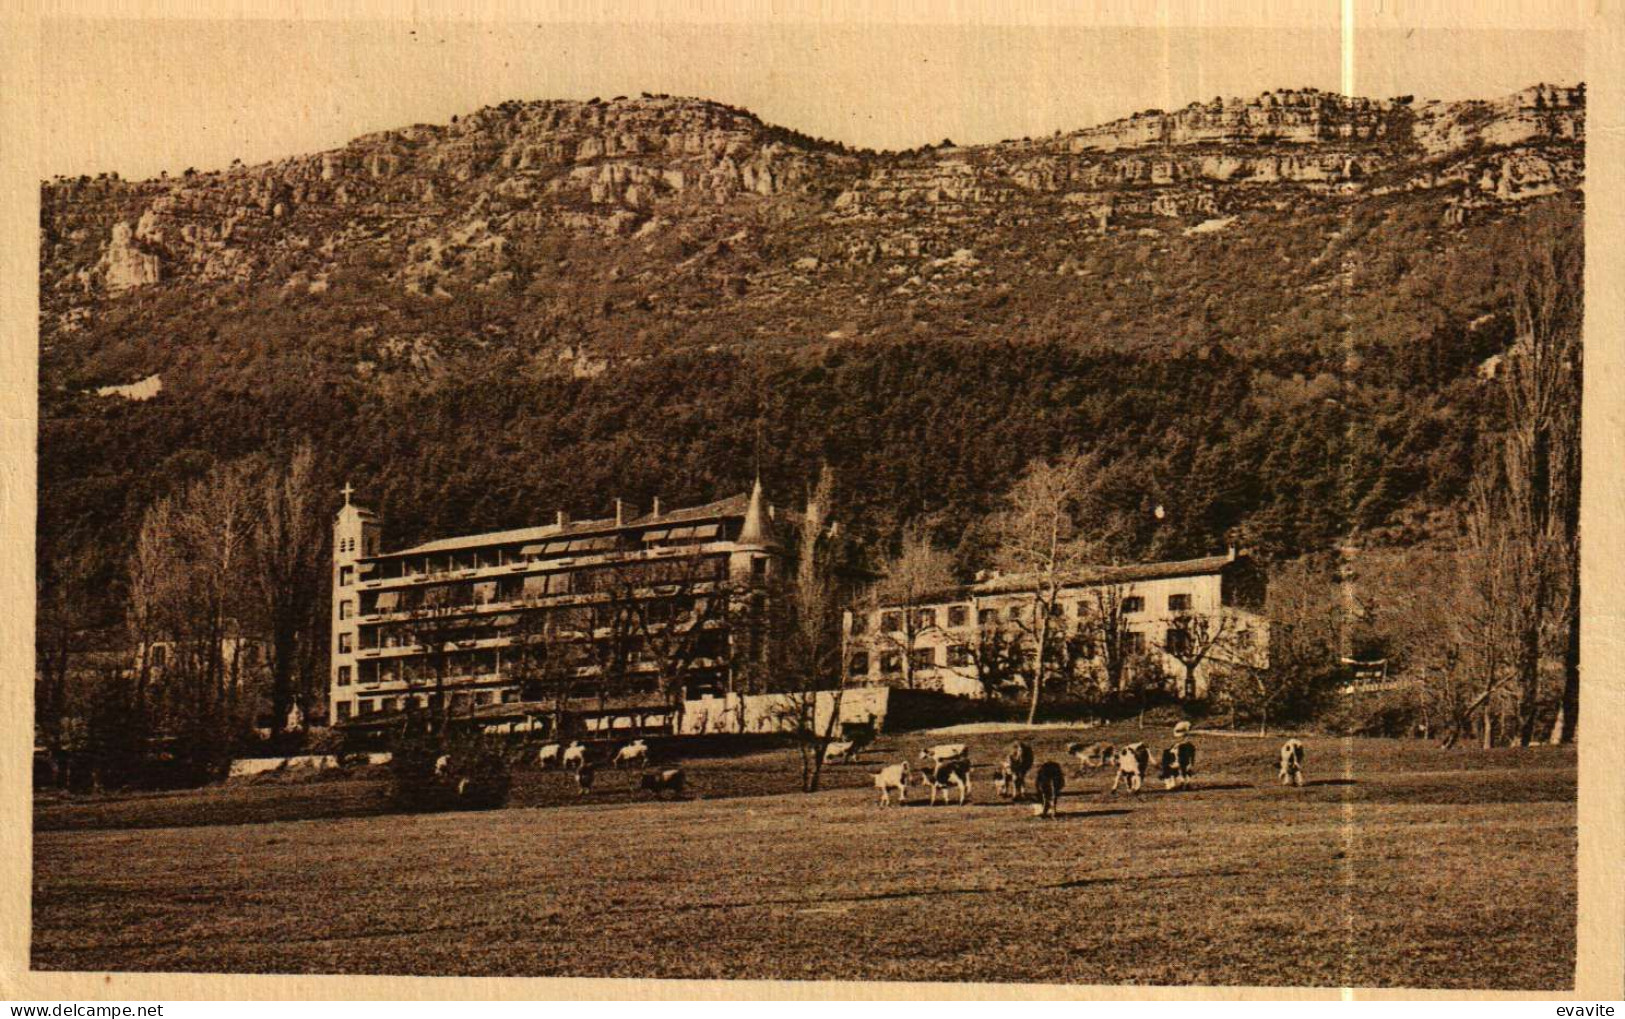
(682, 208)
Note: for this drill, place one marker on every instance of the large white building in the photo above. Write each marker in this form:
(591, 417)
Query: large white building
(443, 618)
(1166, 612)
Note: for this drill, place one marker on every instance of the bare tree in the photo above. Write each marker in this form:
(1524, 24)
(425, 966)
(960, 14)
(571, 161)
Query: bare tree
(1192, 638)
(541, 658)
(677, 619)
(186, 583)
(1103, 625)
(911, 582)
(1540, 453)
(1039, 537)
(808, 652)
(289, 545)
(434, 624)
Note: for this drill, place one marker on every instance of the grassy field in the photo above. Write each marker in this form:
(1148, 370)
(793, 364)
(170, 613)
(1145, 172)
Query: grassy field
(1399, 865)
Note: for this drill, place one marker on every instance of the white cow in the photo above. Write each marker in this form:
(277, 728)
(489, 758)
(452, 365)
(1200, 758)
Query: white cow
(895, 776)
(1292, 762)
(950, 774)
(944, 752)
(1133, 761)
(442, 764)
(548, 755)
(635, 753)
(575, 755)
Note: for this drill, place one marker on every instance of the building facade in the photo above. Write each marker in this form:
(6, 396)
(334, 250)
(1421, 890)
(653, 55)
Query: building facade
(1177, 620)
(631, 609)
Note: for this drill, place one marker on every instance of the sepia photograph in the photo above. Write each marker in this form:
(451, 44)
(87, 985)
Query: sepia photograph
(1082, 504)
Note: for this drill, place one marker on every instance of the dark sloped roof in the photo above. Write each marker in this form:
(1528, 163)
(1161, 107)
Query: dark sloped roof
(732, 506)
(1016, 582)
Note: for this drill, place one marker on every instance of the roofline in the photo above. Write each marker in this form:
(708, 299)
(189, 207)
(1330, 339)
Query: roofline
(713, 510)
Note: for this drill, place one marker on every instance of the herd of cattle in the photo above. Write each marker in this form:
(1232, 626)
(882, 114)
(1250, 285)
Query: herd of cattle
(945, 768)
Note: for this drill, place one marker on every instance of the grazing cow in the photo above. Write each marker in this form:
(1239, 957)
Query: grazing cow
(1133, 761)
(584, 779)
(633, 753)
(894, 776)
(1292, 762)
(548, 755)
(442, 764)
(1092, 755)
(946, 775)
(1050, 782)
(840, 751)
(575, 756)
(1012, 777)
(945, 752)
(664, 780)
(1178, 763)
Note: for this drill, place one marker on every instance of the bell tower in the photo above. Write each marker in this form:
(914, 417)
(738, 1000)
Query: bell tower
(356, 536)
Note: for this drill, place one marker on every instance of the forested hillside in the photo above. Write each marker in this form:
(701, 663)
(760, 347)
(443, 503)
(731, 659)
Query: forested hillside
(1277, 319)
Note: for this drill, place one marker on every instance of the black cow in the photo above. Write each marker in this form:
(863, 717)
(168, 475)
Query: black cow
(1012, 778)
(664, 780)
(1178, 764)
(1050, 781)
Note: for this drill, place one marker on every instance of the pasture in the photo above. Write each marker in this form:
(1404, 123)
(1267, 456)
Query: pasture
(1400, 864)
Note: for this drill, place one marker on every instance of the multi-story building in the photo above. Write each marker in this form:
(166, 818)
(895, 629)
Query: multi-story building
(628, 609)
(1169, 615)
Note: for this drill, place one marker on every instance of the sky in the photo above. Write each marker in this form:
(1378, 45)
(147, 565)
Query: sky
(163, 95)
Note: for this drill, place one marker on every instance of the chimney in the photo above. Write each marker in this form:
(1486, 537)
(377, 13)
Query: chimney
(624, 511)
(1230, 553)
(564, 519)
(655, 510)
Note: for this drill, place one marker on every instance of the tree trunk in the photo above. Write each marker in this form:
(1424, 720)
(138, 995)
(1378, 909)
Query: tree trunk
(1568, 713)
(282, 678)
(1038, 669)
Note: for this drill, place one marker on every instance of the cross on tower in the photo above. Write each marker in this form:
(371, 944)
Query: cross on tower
(348, 491)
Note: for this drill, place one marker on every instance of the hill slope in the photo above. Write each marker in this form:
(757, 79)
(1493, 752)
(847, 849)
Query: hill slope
(1271, 313)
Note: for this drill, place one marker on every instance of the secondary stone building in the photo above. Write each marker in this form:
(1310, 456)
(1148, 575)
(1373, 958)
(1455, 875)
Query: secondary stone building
(1177, 620)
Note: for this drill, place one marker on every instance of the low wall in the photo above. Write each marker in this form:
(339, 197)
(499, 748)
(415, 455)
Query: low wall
(260, 765)
(766, 713)
(891, 710)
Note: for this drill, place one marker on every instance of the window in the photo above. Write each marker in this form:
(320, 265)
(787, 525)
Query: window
(1133, 603)
(891, 663)
(987, 617)
(346, 609)
(1017, 613)
(925, 619)
(344, 643)
(758, 568)
(366, 705)
(960, 656)
(958, 615)
(482, 698)
(1177, 642)
(860, 622)
(1134, 643)
(387, 704)
(922, 658)
(858, 664)
(159, 655)
(344, 675)
(891, 622)
(346, 576)
(1179, 603)
(343, 708)
(510, 695)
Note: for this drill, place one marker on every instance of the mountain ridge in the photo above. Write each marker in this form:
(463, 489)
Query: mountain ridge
(549, 303)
